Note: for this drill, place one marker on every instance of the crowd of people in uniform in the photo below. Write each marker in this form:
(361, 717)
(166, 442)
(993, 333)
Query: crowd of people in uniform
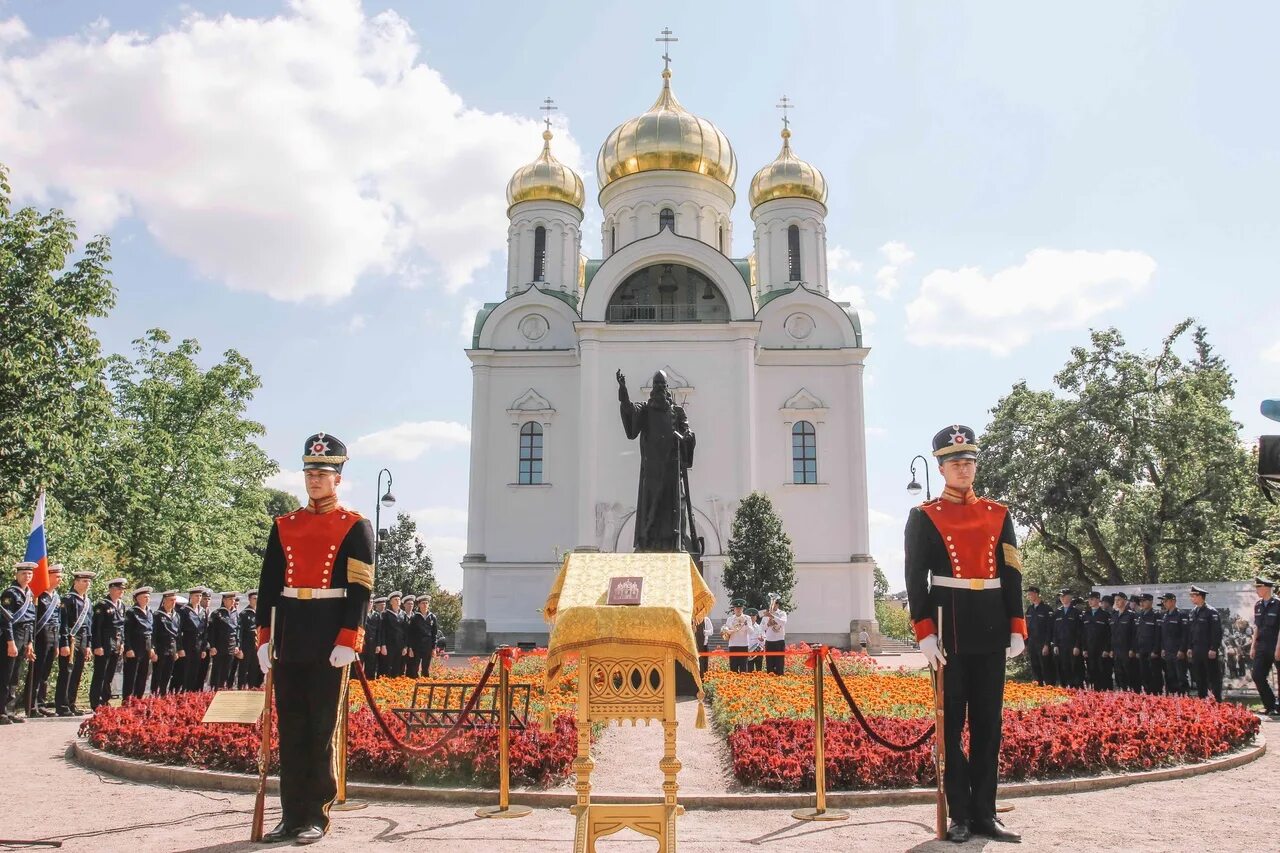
(1112, 642)
(400, 636)
(182, 645)
(748, 632)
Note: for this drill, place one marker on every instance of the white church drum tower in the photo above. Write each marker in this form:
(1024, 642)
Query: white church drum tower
(767, 366)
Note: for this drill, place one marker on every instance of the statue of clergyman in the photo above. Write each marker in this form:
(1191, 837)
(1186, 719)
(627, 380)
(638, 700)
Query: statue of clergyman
(663, 522)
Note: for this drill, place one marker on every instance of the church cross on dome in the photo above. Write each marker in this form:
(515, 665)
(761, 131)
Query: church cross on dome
(784, 105)
(666, 38)
(548, 107)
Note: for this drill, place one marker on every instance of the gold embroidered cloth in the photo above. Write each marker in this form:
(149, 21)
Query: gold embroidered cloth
(672, 597)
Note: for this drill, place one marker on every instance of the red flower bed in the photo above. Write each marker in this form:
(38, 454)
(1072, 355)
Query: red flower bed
(168, 730)
(1091, 733)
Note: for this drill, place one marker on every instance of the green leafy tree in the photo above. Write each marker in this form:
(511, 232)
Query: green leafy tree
(54, 404)
(760, 559)
(403, 560)
(448, 609)
(893, 621)
(1132, 470)
(181, 471)
(881, 584)
(280, 502)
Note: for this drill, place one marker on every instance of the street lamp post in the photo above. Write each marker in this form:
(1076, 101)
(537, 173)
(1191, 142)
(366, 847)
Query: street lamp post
(913, 488)
(384, 499)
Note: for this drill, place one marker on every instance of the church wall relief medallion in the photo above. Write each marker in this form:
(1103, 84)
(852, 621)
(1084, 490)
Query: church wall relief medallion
(799, 326)
(534, 327)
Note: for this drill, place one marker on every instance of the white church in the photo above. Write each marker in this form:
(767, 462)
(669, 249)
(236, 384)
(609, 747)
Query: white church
(767, 366)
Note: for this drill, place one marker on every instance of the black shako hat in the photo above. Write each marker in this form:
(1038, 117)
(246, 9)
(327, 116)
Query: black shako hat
(324, 452)
(955, 442)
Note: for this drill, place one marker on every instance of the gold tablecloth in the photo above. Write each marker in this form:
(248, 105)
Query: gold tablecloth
(672, 597)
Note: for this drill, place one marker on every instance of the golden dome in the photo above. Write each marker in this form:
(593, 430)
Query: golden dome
(546, 179)
(667, 136)
(787, 177)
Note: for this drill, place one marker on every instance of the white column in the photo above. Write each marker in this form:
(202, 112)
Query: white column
(808, 253)
(747, 473)
(857, 432)
(568, 259)
(588, 442)
(822, 259)
(764, 276)
(479, 459)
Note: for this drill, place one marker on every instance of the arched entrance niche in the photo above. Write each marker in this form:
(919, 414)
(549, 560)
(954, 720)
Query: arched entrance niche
(667, 293)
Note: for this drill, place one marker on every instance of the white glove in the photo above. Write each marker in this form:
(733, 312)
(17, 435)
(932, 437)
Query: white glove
(933, 655)
(342, 656)
(1016, 645)
(264, 657)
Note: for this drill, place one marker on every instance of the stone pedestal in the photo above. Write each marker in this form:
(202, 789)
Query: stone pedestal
(472, 637)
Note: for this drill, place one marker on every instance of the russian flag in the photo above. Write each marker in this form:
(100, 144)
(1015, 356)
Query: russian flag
(37, 551)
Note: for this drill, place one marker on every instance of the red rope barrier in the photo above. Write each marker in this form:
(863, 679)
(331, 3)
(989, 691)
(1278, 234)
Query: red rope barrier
(422, 751)
(862, 721)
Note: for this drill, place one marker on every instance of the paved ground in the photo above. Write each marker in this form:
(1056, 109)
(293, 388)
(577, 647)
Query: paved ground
(51, 798)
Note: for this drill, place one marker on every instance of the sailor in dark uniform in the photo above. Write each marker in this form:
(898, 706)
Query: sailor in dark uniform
(423, 629)
(394, 637)
(223, 641)
(410, 661)
(139, 652)
(1264, 648)
(373, 638)
(17, 627)
(1066, 640)
(164, 641)
(45, 644)
(1146, 642)
(1123, 627)
(191, 640)
(962, 557)
(316, 579)
(1039, 618)
(74, 644)
(1173, 645)
(108, 642)
(250, 674)
(1204, 645)
(1097, 640)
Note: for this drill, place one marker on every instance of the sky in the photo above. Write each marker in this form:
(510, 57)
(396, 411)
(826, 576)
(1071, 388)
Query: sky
(319, 184)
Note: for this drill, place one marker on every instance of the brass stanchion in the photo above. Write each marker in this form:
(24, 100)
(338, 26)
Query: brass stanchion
(821, 812)
(504, 809)
(341, 804)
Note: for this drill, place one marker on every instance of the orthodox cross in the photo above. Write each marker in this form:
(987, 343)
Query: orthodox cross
(548, 107)
(784, 105)
(666, 39)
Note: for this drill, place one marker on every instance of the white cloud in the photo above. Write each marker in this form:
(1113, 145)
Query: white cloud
(466, 329)
(879, 518)
(411, 439)
(288, 481)
(1272, 353)
(288, 155)
(437, 517)
(896, 256)
(1051, 289)
(842, 267)
(446, 557)
(877, 432)
(355, 324)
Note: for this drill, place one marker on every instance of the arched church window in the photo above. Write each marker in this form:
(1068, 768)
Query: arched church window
(613, 239)
(531, 454)
(793, 253)
(667, 219)
(804, 453)
(540, 254)
(721, 241)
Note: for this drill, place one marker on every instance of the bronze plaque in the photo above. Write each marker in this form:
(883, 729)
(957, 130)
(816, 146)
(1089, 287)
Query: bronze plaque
(235, 706)
(625, 591)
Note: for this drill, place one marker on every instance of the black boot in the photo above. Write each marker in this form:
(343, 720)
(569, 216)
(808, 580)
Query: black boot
(996, 830)
(959, 831)
(282, 832)
(311, 834)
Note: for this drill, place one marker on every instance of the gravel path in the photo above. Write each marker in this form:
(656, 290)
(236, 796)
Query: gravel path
(48, 797)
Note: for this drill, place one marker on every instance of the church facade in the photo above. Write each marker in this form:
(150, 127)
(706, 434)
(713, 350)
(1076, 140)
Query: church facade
(768, 368)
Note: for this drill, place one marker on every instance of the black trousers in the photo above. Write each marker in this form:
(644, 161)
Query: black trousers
(221, 669)
(136, 670)
(738, 664)
(1127, 677)
(307, 700)
(370, 659)
(392, 663)
(11, 669)
(1038, 663)
(1263, 660)
(249, 673)
(70, 674)
(1108, 672)
(104, 669)
(775, 666)
(1208, 675)
(1174, 675)
(1151, 671)
(411, 665)
(162, 674)
(1093, 665)
(975, 691)
(426, 661)
(193, 672)
(1069, 675)
(42, 668)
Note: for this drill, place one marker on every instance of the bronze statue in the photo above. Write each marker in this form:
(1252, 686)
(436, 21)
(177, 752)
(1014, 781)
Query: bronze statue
(664, 512)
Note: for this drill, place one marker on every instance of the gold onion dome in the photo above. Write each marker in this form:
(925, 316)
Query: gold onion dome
(668, 137)
(545, 179)
(787, 177)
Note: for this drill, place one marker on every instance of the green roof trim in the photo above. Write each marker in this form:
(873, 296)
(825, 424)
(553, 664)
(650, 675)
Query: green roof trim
(766, 298)
(483, 314)
(592, 267)
(743, 265)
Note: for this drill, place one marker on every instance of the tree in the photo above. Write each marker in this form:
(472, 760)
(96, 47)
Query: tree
(894, 621)
(1133, 472)
(403, 560)
(447, 606)
(280, 502)
(881, 584)
(53, 398)
(760, 559)
(181, 473)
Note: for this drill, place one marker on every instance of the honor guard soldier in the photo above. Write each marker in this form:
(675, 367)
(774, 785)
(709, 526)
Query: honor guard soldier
(247, 627)
(223, 641)
(139, 653)
(1264, 648)
(74, 644)
(737, 632)
(424, 627)
(394, 637)
(45, 643)
(1123, 629)
(108, 641)
(1173, 644)
(1066, 640)
(372, 653)
(962, 558)
(1097, 640)
(17, 622)
(1146, 641)
(1039, 617)
(1204, 645)
(165, 628)
(317, 575)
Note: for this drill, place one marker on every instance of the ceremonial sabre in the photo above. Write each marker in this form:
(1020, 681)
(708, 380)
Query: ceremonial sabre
(264, 749)
(940, 738)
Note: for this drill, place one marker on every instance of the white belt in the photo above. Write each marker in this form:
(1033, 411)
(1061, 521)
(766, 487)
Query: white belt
(305, 593)
(966, 583)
